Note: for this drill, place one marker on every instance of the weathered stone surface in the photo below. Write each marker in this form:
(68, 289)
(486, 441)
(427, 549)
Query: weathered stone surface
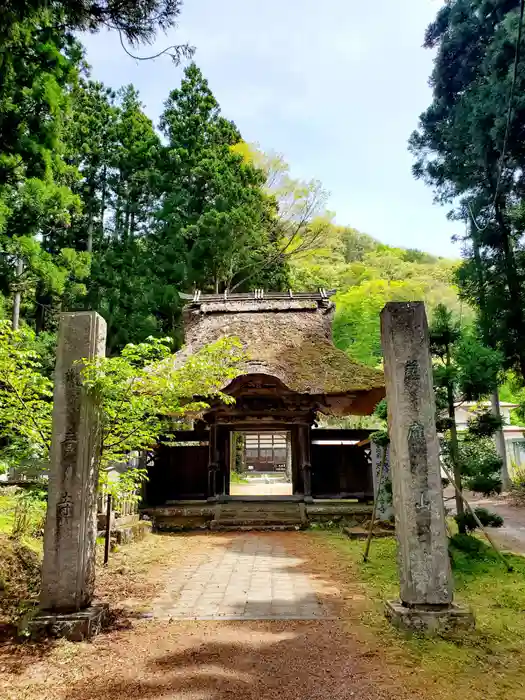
(424, 567)
(451, 619)
(385, 508)
(76, 626)
(68, 572)
(132, 532)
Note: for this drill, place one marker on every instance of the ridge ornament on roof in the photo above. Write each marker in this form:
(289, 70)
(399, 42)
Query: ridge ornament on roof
(258, 294)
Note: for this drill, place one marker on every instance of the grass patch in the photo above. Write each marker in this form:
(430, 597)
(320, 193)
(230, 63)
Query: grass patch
(7, 509)
(34, 522)
(236, 478)
(490, 661)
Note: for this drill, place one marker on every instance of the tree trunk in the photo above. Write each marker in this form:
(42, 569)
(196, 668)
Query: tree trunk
(17, 298)
(103, 199)
(454, 447)
(513, 284)
(500, 442)
(494, 399)
(89, 242)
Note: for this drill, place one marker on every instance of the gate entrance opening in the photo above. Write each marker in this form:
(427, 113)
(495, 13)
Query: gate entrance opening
(261, 463)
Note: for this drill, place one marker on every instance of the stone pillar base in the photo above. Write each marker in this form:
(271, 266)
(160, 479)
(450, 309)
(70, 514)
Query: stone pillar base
(447, 620)
(76, 627)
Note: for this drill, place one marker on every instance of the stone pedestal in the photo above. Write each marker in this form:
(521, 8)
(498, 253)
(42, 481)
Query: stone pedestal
(68, 572)
(75, 626)
(452, 619)
(426, 588)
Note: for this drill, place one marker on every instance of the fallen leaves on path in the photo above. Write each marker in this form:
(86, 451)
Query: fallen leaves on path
(206, 660)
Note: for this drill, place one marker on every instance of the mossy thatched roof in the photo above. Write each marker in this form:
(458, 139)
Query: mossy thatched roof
(290, 340)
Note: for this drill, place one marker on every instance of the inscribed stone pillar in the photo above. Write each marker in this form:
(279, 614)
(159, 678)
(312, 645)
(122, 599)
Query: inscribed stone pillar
(424, 567)
(68, 573)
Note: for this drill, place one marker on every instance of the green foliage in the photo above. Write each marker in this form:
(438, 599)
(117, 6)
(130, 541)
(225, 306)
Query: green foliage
(471, 546)
(468, 522)
(216, 226)
(138, 20)
(470, 148)
(463, 366)
(29, 513)
(380, 276)
(381, 410)
(480, 465)
(144, 394)
(484, 424)
(25, 400)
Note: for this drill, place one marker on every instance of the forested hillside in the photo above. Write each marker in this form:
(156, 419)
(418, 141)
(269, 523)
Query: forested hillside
(102, 209)
(367, 274)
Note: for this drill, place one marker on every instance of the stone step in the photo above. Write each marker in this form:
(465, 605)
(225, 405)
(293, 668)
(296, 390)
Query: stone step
(263, 521)
(259, 509)
(220, 526)
(258, 516)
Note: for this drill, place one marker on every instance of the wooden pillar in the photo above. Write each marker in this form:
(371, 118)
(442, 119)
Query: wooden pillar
(212, 463)
(301, 461)
(223, 457)
(306, 462)
(297, 475)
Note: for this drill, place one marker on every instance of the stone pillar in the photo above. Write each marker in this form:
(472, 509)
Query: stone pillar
(68, 571)
(426, 589)
(385, 510)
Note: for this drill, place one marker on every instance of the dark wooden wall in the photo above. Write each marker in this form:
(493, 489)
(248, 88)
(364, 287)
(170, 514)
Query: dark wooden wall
(341, 471)
(179, 472)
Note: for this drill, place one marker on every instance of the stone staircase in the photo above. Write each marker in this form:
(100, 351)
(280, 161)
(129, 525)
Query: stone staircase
(259, 515)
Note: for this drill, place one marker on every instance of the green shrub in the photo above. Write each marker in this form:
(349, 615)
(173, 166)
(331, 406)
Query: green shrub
(518, 484)
(486, 518)
(468, 544)
(480, 466)
(30, 511)
(487, 484)
(484, 424)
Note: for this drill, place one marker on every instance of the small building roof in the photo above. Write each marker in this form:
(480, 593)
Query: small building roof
(287, 336)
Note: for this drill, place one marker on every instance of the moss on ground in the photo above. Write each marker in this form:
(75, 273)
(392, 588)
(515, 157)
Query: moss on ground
(491, 660)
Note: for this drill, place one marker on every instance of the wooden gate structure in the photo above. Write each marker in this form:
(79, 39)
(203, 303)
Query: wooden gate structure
(293, 373)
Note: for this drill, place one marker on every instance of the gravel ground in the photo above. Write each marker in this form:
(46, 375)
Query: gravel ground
(211, 660)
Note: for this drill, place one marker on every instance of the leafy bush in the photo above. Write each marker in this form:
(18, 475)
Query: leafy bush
(518, 476)
(30, 511)
(518, 484)
(486, 518)
(484, 424)
(480, 466)
(468, 544)
(487, 485)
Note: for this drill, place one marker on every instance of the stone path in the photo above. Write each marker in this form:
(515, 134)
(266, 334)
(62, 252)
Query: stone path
(247, 577)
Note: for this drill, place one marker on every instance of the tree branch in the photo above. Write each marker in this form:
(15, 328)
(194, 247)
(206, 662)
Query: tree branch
(30, 413)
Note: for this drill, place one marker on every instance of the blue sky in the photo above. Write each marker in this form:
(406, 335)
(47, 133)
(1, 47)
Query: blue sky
(335, 86)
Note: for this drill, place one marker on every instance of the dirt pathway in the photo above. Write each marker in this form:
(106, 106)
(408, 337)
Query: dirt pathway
(512, 535)
(145, 658)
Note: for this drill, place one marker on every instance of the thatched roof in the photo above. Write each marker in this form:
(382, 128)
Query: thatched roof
(287, 337)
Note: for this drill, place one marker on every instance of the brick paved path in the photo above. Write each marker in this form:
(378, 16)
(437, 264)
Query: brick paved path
(244, 576)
